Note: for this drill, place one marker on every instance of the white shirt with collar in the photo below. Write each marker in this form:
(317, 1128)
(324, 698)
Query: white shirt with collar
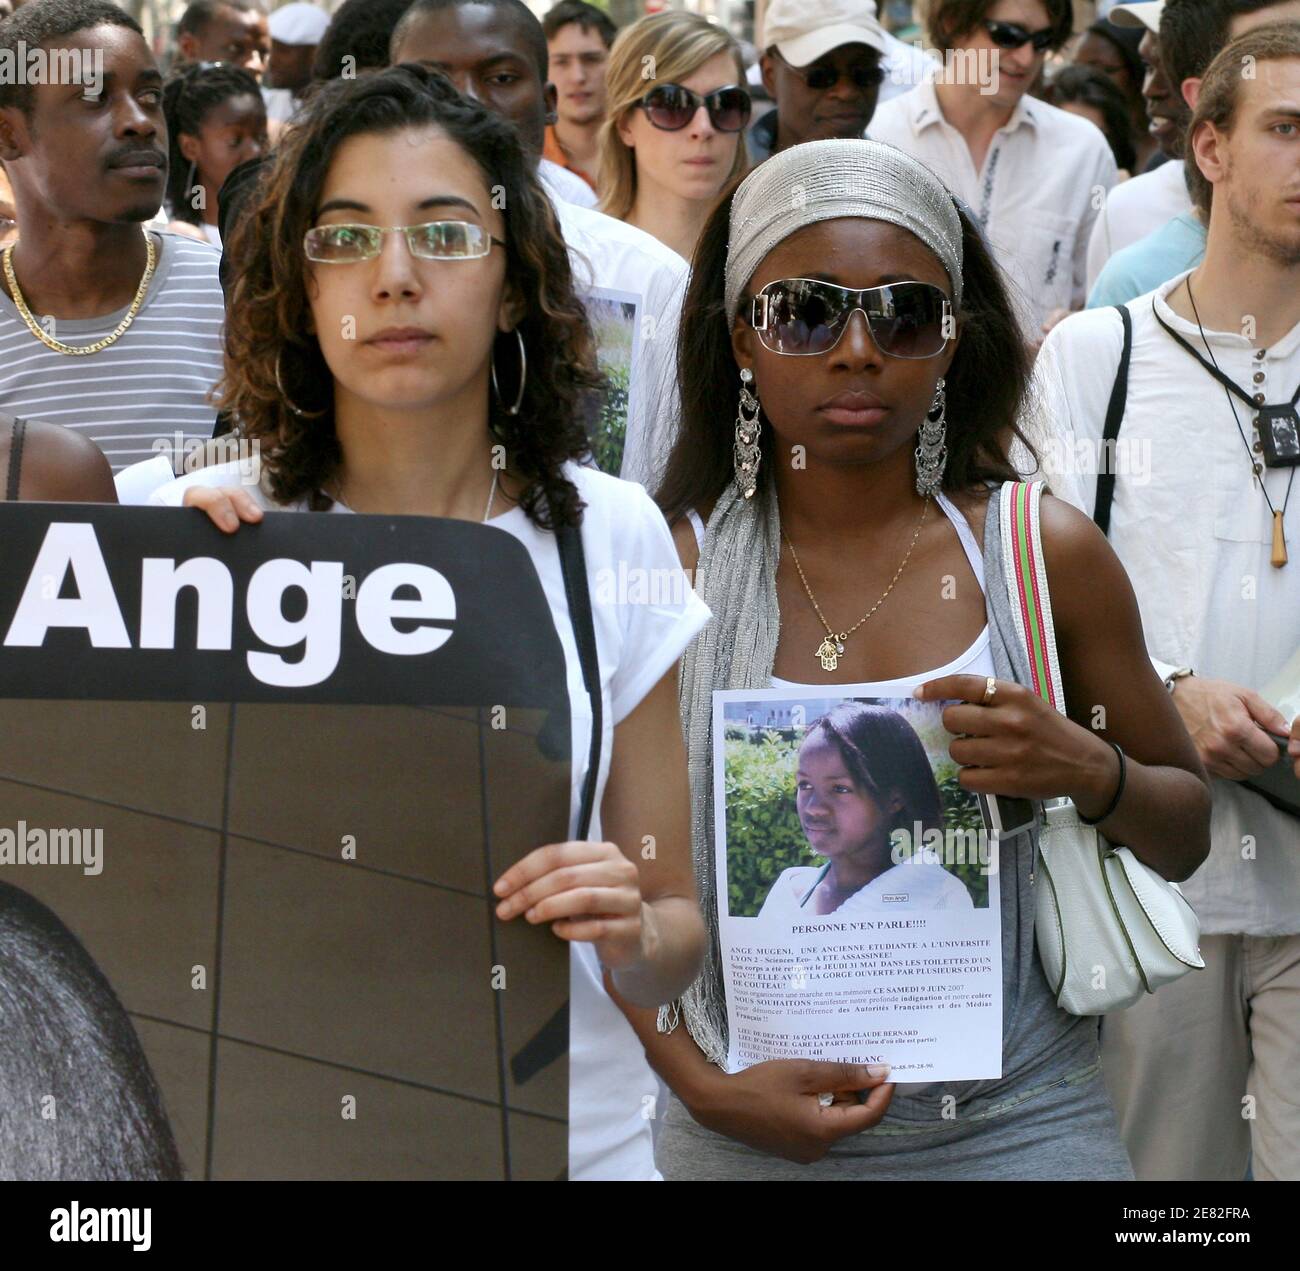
(905, 66)
(1195, 534)
(1134, 209)
(1036, 197)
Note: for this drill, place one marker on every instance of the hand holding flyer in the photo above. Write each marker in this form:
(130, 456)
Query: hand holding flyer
(859, 905)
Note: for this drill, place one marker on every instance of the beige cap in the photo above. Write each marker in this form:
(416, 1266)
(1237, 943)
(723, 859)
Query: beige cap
(804, 30)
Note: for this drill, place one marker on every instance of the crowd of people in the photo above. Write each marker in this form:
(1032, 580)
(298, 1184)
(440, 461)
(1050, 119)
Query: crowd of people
(873, 282)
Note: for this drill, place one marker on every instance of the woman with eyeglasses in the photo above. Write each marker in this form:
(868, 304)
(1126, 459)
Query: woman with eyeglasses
(862, 340)
(670, 143)
(401, 321)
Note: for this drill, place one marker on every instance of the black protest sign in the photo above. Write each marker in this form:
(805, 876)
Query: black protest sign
(268, 780)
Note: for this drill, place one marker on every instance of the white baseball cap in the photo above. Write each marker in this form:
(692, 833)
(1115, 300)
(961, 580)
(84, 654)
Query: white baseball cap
(298, 24)
(804, 30)
(1146, 14)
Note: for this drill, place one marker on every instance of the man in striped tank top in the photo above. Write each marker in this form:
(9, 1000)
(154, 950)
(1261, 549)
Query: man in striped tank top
(106, 329)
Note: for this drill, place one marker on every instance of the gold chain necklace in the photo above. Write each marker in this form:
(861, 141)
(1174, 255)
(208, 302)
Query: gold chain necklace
(57, 345)
(828, 652)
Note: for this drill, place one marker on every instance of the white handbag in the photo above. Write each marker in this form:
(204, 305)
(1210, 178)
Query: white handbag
(1108, 927)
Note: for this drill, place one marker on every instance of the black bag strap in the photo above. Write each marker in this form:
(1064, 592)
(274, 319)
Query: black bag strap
(573, 565)
(15, 459)
(1114, 418)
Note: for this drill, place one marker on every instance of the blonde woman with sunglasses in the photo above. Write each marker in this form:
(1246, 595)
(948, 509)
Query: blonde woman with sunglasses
(678, 108)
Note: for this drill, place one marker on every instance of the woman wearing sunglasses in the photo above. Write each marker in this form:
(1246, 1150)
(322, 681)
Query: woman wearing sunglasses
(839, 531)
(672, 142)
(401, 319)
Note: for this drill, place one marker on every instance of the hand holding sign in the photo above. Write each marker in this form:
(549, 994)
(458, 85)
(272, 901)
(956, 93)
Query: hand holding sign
(227, 506)
(588, 892)
(1013, 743)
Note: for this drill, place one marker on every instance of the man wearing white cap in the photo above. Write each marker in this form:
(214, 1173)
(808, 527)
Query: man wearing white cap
(1032, 174)
(296, 30)
(823, 65)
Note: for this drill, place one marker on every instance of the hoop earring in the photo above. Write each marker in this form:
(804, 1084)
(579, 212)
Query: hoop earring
(932, 452)
(523, 377)
(297, 410)
(746, 452)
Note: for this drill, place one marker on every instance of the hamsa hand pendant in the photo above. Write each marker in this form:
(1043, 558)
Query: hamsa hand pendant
(829, 654)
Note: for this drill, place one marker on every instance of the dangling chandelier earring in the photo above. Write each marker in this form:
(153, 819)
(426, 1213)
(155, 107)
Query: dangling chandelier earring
(932, 452)
(746, 452)
(297, 410)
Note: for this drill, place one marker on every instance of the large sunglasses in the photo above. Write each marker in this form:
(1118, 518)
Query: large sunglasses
(434, 240)
(801, 317)
(671, 107)
(1011, 35)
(821, 77)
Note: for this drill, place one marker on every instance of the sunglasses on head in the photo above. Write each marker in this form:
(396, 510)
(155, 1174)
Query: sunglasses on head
(434, 240)
(1011, 35)
(671, 107)
(821, 76)
(800, 317)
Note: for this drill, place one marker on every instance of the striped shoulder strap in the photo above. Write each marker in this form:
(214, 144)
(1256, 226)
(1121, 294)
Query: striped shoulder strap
(1026, 579)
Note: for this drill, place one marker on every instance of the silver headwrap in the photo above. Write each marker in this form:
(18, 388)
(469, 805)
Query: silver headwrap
(825, 180)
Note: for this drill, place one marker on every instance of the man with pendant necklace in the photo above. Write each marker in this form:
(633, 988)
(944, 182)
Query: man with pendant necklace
(106, 329)
(1186, 403)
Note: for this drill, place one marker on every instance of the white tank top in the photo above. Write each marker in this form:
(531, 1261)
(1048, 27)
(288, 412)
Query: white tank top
(977, 660)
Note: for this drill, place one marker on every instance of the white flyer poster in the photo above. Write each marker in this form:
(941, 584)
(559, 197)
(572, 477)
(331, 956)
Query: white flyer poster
(858, 904)
(616, 325)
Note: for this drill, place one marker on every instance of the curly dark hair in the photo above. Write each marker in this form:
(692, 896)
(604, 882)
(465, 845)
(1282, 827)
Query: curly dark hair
(187, 98)
(987, 382)
(268, 309)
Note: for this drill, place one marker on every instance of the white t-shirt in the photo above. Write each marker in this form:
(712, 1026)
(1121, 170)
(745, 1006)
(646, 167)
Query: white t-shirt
(611, 254)
(1134, 209)
(912, 885)
(281, 104)
(637, 643)
(1195, 535)
(1035, 196)
(562, 184)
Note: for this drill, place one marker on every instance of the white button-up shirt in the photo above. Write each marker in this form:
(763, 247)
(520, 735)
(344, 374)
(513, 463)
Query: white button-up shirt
(1195, 534)
(1043, 181)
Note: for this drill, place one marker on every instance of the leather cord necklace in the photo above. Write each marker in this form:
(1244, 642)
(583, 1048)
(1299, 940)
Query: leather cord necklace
(1279, 556)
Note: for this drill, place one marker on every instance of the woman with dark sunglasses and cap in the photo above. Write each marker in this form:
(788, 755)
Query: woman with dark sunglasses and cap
(847, 530)
(672, 142)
